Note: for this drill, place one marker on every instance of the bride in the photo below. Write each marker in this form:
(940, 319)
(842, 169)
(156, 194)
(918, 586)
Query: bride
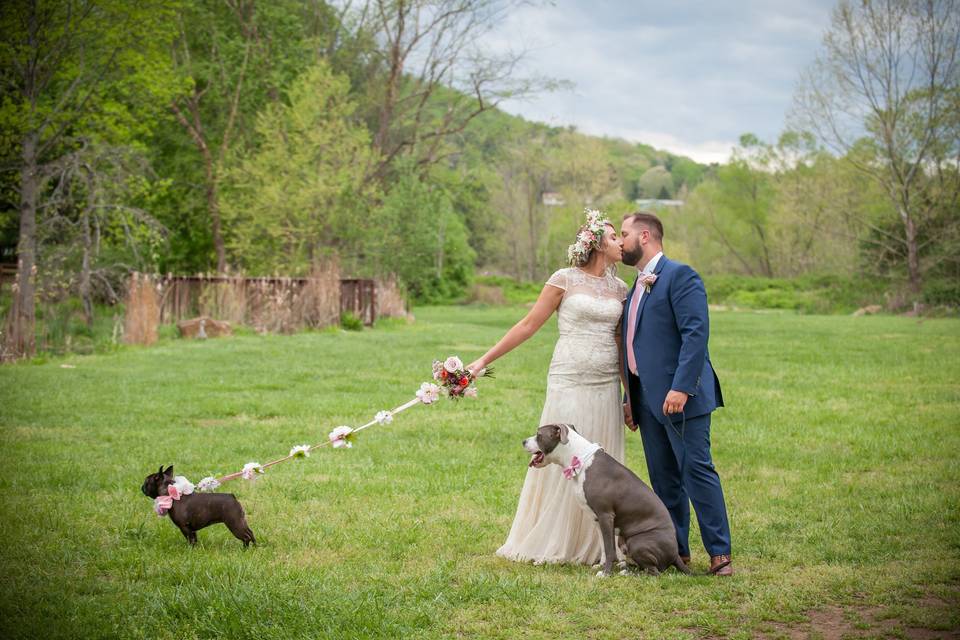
(583, 389)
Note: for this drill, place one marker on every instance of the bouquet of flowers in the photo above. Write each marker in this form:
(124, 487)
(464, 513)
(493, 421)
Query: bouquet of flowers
(454, 378)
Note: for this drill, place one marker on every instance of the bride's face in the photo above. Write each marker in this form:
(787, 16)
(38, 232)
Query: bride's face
(611, 246)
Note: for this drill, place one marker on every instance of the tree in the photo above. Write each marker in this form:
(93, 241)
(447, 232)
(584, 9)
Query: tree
(301, 193)
(883, 94)
(233, 57)
(435, 77)
(654, 180)
(69, 67)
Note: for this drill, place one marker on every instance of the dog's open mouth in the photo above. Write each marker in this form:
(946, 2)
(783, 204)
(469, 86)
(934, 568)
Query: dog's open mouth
(536, 459)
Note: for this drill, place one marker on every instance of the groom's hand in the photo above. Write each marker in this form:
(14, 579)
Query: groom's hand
(628, 417)
(675, 402)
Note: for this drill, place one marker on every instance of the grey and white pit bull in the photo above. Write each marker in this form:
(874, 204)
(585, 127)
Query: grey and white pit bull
(620, 501)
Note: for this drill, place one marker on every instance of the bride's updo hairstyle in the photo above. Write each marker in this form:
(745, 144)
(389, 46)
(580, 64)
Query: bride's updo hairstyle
(589, 238)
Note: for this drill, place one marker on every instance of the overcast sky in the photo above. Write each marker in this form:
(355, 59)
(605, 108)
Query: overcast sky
(688, 77)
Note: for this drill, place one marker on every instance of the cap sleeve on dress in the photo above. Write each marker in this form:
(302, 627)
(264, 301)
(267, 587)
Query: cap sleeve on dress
(559, 279)
(622, 289)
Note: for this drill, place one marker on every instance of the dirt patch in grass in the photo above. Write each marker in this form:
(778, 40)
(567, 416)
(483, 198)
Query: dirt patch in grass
(929, 618)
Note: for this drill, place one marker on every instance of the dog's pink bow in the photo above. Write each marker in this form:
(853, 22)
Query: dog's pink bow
(570, 472)
(162, 504)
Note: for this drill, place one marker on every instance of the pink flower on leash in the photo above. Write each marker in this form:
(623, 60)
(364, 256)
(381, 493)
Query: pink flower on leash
(250, 470)
(208, 484)
(339, 437)
(428, 393)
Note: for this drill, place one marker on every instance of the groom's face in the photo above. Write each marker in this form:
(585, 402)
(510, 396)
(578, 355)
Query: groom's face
(634, 237)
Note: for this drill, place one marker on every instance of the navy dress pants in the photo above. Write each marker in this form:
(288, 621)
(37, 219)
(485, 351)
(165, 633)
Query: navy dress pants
(681, 471)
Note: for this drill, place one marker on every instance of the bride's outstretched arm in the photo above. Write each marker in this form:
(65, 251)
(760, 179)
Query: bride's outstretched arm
(548, 301)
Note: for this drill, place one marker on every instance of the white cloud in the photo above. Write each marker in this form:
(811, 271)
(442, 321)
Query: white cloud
(689, 77)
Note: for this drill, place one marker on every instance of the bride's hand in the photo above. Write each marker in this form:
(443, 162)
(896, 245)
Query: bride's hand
(475, 367)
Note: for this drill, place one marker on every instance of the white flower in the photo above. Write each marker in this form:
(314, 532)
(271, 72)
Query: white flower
(251, 469)
(208, 484)
(300, 451)
(453, 364)
(470, 392)
(339, 437)
(184, 485)
(428, 393)
(383, 417)
(437, 368)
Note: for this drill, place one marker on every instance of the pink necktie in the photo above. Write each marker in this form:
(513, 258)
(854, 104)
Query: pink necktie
(643, 280)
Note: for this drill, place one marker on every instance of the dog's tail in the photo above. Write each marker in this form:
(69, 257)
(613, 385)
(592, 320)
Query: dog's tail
(681, 566)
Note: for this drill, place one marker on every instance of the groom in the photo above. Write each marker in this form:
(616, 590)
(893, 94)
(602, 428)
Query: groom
(671, 388)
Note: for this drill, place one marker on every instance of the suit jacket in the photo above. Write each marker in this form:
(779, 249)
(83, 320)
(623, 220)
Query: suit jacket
(670, 343)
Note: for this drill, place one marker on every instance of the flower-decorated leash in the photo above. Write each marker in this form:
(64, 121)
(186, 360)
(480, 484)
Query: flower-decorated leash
(452, 380)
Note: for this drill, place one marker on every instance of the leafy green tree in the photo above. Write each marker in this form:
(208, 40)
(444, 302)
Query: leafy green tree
(421, 238)
(655, 180)
(301, 193)
(72, 69)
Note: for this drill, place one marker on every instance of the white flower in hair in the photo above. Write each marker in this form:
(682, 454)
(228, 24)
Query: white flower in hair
(251, 469)
(208, 484)
(340, 437)
(300, 451)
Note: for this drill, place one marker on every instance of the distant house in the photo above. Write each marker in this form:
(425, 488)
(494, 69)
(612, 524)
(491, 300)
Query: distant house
(552, 199)
(656, 202)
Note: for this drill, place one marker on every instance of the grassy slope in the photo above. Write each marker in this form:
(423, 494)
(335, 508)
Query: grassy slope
(838, 453)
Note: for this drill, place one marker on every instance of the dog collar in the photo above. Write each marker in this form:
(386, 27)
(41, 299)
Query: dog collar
(180, 487)
(576, 464)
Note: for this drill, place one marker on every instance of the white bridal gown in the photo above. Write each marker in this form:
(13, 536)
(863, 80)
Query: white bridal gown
(583, 389)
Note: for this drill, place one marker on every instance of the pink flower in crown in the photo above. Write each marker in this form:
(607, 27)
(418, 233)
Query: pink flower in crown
(453, 364)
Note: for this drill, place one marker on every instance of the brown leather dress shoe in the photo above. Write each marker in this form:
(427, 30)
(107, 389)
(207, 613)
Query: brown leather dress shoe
(721, 565)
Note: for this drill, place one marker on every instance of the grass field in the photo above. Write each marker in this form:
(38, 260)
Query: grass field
(838, 452)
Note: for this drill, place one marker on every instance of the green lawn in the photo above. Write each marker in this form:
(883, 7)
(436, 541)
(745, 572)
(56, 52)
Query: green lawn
(838, 453)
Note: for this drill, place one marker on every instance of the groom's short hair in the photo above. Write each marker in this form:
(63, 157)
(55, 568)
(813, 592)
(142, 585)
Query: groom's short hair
(649, 221)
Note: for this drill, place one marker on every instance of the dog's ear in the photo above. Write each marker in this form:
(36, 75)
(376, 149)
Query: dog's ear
(160, 471)
(168, 472)
(564, 433)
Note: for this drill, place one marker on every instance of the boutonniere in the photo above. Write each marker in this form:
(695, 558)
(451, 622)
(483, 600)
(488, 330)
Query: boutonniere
(647, 280)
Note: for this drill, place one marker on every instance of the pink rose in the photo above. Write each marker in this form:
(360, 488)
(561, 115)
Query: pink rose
(453, 364)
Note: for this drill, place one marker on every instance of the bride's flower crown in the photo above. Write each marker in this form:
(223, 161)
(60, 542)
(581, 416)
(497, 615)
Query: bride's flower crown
(589, 238)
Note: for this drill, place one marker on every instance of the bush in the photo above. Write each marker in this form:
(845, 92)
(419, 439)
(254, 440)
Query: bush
(350, 322)
(805, 294)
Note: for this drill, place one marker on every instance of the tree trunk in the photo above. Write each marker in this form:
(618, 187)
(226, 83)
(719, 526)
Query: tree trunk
(85, 288)
(20, 340)
(913, 253)
(213, 206)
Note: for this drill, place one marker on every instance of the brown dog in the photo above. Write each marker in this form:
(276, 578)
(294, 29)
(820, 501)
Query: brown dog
(198, 510)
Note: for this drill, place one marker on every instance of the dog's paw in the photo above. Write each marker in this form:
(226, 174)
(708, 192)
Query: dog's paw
(624, 572)
(622, 564)
(602, 574)
(596, 566)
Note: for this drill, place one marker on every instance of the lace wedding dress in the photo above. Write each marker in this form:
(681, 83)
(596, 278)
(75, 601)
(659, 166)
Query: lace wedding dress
(583, 389)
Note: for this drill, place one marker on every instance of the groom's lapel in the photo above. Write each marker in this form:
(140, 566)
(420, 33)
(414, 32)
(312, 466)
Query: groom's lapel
(643, 301)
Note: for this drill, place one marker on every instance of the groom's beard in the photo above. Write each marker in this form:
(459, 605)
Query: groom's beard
(631, 258)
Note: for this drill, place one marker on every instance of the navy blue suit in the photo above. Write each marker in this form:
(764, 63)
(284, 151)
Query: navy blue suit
(670, 346)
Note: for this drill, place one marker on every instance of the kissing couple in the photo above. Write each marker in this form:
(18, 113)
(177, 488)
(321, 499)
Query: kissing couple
(626, 355)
